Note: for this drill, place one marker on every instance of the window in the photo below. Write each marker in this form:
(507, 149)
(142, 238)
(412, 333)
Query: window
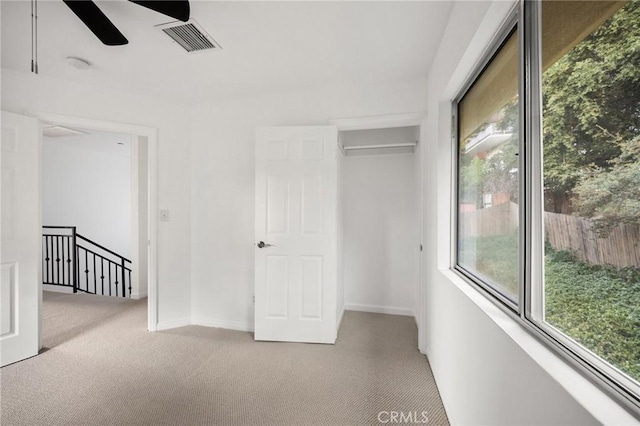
(488, 174)
(591, 172)
(548, 212)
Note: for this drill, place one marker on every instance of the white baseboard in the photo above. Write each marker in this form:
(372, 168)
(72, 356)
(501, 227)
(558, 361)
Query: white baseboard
(390, 310)
(140, 295)
(229, 325)
(57, 288)
(340, 318)
(166, 325)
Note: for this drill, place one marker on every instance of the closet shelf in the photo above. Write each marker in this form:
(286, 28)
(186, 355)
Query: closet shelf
(394, 145)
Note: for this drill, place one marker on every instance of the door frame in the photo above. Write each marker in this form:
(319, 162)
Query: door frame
(379, 121)
(151, 134)
(409, 119)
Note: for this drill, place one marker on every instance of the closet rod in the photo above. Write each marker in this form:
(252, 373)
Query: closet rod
(395, 145)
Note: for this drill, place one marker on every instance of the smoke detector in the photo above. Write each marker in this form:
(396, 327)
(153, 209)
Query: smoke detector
(189, 35)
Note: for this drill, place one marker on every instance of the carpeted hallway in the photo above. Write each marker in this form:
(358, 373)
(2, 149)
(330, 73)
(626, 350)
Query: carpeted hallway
(111, 371)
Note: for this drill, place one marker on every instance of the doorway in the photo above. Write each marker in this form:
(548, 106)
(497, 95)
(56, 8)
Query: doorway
(141, 218)
(89, 209)
(300, 202)
(380, 220)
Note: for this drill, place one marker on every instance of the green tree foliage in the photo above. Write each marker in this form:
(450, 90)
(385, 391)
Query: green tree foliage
(496, 174)
(612, 196)
(471, 177)
(496, 171)
(591, 97)
(501, 170)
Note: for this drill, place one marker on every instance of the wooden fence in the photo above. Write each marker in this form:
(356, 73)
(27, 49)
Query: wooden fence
(497, 220)
(620, 248)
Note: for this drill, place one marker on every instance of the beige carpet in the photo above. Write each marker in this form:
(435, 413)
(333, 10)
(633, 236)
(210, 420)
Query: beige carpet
(111, 371)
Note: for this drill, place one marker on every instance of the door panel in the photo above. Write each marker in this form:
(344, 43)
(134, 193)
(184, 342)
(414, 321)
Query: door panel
(20, 238)
(311, 287)
(277, 204)
(311, 215)
(311, 149)
(7, 301)
(277, 286)
(296, 196)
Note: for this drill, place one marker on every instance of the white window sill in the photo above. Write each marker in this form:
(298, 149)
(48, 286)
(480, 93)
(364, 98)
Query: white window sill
(598, 403)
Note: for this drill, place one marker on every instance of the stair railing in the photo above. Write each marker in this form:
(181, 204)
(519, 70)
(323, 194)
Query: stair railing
(59, 266)
(72, 260)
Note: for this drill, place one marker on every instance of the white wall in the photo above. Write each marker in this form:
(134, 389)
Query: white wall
(489, 369)
(140, 216)
(222, 175)
(340, 240)
(380, 233)
(86, 182)
(418, 181)
(23, 92)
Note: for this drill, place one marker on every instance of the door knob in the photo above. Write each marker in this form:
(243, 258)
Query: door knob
(262, 244)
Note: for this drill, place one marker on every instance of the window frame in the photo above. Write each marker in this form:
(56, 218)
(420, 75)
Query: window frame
(525, 17)
(510, 26)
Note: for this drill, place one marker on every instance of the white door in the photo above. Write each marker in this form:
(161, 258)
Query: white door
(20, 238)
(295, 252)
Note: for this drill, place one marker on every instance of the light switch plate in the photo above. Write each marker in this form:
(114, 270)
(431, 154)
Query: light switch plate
(164, 215)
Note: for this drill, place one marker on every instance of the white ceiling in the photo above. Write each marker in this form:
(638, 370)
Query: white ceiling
(267, 46)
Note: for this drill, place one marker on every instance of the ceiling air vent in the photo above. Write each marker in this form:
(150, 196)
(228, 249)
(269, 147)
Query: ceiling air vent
(189, 35)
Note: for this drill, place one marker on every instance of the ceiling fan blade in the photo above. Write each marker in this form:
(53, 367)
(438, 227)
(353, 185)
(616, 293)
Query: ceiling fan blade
(97, 22)
(178, 9)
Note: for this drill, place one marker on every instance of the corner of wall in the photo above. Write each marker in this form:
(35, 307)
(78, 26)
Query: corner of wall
(142, 294)
(167, 325)
(228, 325)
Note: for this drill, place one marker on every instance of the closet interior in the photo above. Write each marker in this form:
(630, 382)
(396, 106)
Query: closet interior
(378, 202)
